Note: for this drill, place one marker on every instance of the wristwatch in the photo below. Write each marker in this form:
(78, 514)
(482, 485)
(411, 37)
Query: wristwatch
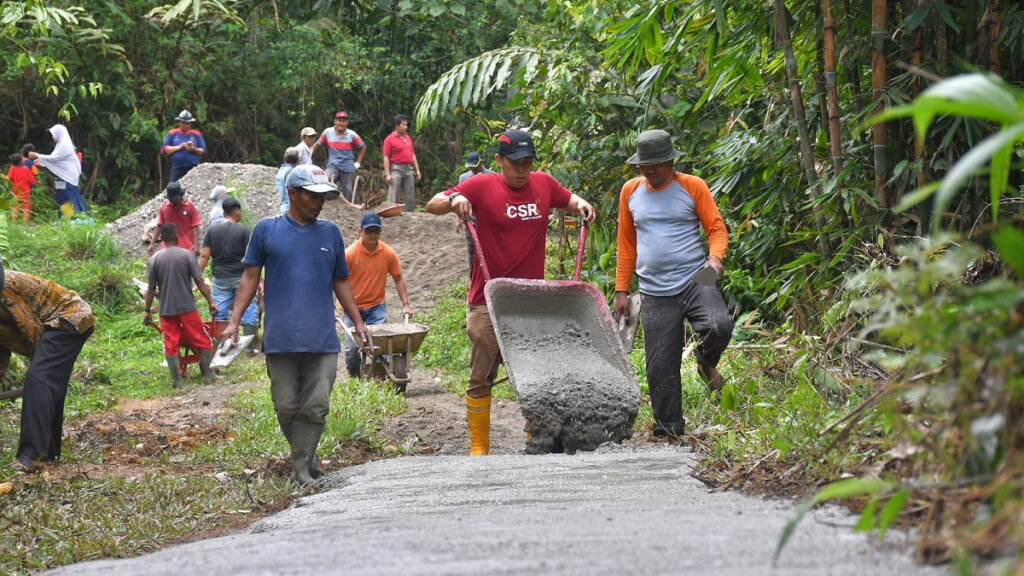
(453, 196)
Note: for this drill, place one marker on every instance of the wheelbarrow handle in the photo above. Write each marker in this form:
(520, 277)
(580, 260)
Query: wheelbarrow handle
(581, 245)
(477, 251)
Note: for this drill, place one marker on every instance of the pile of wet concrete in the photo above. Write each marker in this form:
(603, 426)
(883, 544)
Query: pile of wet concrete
(576, 388)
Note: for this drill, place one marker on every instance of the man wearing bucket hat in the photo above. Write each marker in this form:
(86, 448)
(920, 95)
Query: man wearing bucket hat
(476, 166)
(183, 213)
(302, 261)
(371, 261)
(661, 215)
(184, 145)
(512, 210)
(475, 163)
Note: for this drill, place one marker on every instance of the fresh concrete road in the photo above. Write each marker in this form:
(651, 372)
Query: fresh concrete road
(615, 511)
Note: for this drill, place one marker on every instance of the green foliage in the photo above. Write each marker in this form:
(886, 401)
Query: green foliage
(981, 97)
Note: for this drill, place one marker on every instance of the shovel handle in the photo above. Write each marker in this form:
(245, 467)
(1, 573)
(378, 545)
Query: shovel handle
(580, 247)
(478, 252)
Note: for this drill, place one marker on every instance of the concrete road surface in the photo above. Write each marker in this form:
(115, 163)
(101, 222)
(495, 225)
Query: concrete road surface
(614, 511)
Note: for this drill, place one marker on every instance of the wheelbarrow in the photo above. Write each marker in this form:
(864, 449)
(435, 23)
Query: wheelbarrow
(564, 358)
(391, 347)
(213, 329)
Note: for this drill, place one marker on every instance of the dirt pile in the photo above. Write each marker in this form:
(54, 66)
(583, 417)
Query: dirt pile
(433, 255)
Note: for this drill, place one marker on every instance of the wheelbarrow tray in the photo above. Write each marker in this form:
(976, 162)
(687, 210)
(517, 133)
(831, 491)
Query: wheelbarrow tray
(566, 362)
(403, 338)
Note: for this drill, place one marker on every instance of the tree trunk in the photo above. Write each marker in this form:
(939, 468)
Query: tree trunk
(916, 58)
(831, 92)
(784, 40)
(879, 9)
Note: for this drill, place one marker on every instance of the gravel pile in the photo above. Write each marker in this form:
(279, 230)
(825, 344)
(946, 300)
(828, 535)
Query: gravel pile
(251, 184)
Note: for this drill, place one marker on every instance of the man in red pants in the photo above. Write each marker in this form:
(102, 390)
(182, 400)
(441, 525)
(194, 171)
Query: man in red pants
(172, 270)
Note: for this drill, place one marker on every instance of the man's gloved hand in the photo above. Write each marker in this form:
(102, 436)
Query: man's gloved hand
(356, 164)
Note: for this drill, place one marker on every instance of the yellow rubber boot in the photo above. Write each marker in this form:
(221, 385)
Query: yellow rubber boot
(478, 415)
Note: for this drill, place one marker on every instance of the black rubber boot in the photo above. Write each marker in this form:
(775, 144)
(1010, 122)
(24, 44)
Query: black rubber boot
(251, 348)
(305, 437)
(205, 357)
(174, 365)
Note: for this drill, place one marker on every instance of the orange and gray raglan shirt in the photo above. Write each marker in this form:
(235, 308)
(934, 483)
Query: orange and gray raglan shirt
(659, 234)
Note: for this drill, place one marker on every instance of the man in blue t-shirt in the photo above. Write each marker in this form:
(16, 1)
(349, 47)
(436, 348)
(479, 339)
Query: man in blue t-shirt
(304, 260)
(184, 145)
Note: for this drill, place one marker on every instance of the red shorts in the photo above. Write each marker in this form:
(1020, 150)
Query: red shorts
(186, 329)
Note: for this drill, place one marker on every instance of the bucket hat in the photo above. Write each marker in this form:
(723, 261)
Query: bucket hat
(174, 190)
(185, 116)
(653, 147)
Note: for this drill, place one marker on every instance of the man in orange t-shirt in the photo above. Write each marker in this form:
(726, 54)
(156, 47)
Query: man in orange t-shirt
(370, 261)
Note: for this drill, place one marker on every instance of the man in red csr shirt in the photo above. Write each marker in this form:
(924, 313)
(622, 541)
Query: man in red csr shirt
(180, 211)
(511, 209)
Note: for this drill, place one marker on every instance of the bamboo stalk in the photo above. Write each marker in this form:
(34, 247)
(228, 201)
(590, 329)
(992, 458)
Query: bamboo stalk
(831, 91)
(783, 38)
(879, 9)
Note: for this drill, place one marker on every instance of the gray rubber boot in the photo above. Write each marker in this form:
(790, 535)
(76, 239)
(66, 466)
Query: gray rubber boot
(251, 331)
(174, 365)
(315, 470)
(205, 357)
(305, 437)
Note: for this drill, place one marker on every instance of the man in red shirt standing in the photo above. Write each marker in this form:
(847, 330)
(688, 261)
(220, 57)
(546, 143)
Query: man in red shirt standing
(511, 208)
(400, 164)
(182, 212)
(22, 179)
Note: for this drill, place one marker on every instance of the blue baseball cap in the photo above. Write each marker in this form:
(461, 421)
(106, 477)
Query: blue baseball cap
(311, 178)
(371, 219)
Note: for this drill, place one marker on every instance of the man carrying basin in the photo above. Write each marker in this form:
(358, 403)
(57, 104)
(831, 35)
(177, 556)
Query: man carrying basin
(370, 261)
(511, 208)
(661, 215)
(304, 261)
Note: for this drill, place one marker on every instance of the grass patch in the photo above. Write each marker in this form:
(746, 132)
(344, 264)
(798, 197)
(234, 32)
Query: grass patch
(448, 346)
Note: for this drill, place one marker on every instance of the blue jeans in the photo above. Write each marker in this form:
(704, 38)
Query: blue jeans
(224, 297)
(371, 316)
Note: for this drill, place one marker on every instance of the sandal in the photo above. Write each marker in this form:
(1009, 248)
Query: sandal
(18, 465)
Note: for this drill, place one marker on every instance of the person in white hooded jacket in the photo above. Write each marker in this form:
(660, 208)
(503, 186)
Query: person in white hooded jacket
(66, 168)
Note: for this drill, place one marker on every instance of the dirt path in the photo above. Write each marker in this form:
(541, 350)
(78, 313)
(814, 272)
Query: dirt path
(436, 421)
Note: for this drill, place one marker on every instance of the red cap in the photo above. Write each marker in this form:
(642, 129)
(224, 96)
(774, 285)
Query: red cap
(341, 115)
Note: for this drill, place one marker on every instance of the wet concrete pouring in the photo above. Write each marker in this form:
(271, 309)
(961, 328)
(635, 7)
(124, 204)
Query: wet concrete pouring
(574, 382)
(618, 510)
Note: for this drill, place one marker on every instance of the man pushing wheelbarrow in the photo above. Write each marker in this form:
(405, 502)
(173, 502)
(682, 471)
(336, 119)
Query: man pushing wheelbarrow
(511, 210)
(172, 270)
